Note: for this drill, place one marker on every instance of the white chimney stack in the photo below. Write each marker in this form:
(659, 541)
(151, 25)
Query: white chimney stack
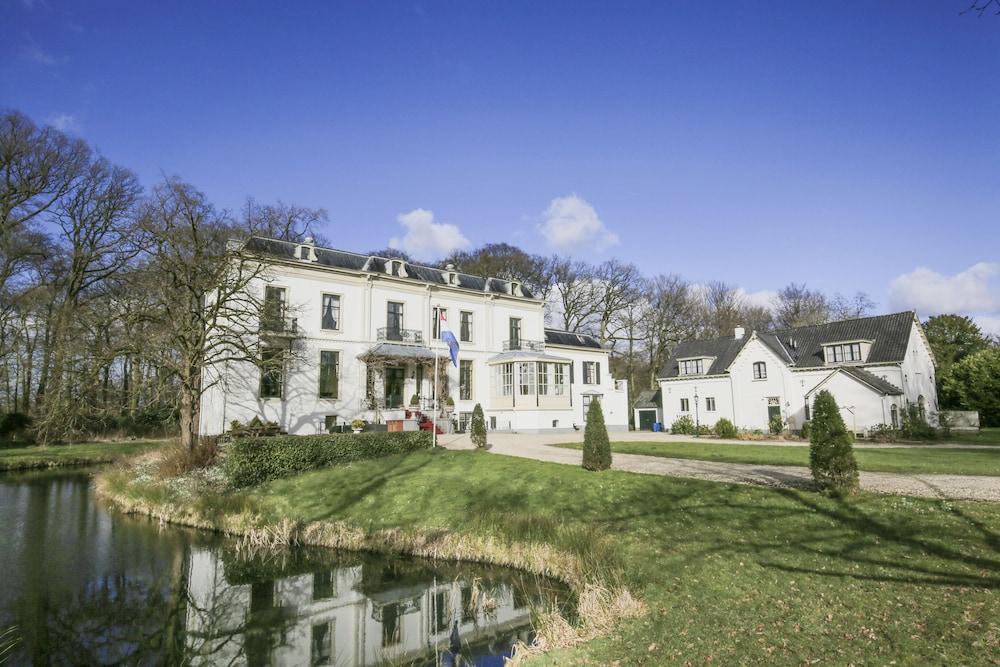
(738, 333)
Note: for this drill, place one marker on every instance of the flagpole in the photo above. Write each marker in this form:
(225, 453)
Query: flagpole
(437, 398)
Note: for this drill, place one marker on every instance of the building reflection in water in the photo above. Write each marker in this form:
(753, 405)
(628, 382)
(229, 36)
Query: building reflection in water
(367, 611)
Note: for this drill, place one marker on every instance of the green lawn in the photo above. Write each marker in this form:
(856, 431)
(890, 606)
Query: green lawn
(731, 574)
(984, 436)
(85, 453)
(923, 460)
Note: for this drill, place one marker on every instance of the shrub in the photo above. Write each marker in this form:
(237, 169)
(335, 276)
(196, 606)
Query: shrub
(177, 460)
(14, 426)
(683, 426)
(883, 433)
(478, 427)
(915, 426)
(596, 445)
(415, 399)
(250, 461)
(704, 429)
(755, 434)
(725, 428)
(776, 425)
(831, 455)
(804, 433)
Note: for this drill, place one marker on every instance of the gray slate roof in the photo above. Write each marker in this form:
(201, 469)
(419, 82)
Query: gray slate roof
(353, 261)
(647, 399)
(802, 347)
(571, 339)
(873, 380)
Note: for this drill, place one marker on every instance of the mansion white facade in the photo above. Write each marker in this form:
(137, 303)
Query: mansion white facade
(875, 367)
(348, 336)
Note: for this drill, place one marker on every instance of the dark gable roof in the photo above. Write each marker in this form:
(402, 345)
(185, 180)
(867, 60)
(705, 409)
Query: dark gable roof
(570, 339)
(872, 380)
(648, 398)
(353, 261)
(802, 347)
(889, 335)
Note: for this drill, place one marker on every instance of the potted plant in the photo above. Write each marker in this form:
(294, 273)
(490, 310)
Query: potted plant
(357, 425)
(415, 400)
(449, 403)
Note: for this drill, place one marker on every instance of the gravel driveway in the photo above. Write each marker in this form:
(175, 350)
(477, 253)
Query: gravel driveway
(538, 447)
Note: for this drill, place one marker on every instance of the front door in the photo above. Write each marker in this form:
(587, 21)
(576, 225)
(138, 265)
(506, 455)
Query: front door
(395, 378)
(773, 409)
(646, 419)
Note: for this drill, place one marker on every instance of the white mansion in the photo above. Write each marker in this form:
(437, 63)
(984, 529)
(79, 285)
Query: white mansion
(875, 367)
(365, 334)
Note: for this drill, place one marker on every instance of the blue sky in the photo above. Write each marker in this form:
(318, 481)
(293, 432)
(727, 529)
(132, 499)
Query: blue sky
(849, 145)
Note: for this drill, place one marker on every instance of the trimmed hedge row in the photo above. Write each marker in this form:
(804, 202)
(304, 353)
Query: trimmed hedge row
(250, 461)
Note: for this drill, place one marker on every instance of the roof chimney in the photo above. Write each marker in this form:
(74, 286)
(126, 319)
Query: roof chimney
(738, 333)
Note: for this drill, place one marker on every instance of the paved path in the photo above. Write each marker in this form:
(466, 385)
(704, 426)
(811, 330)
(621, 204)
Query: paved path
(539, 447)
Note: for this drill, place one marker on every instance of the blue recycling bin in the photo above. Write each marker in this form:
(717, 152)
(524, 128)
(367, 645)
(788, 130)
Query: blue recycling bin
(657, 427)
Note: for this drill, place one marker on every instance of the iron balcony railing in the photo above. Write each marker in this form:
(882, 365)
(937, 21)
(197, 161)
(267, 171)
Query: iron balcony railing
(278, 325)
(395, 335)
(522, 344)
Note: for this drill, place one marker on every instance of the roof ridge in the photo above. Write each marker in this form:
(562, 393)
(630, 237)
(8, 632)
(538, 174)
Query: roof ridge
(369, 255)
(848, 319)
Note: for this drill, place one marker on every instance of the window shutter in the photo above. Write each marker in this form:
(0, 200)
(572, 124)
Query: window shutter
(571, 366)
(597, 372)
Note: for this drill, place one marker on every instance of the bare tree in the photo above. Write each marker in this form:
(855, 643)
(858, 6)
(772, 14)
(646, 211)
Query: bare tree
(674, 315)
(724, 307)
(844, 308)
(575, 293)
(617, 286)
(203, 308)
(284, 221)
(797, 306)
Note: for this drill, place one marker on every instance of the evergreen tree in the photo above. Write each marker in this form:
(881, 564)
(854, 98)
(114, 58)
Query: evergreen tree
(596, 445)
(478, 427)
(831, 455)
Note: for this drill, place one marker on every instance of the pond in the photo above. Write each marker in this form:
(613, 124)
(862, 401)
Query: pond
(85, 585)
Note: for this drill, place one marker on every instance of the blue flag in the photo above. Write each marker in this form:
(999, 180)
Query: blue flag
(448, 337)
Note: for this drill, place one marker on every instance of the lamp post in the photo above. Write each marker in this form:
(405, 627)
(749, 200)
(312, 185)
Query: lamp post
(697, 424)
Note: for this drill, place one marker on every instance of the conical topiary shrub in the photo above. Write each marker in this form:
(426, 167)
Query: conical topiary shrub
(478, 427)
(596, 446)
(831, 455)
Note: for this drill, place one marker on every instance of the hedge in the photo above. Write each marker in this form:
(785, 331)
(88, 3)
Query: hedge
(250, 461)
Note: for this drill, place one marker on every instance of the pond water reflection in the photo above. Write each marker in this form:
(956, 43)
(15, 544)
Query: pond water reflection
(83, 585)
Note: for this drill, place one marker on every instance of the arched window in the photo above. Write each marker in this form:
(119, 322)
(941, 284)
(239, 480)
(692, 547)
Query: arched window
(894, 415)
(759, 370)
(922, 406)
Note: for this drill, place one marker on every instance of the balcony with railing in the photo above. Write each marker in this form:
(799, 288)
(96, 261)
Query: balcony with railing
(278, 324)
(523, 345)
(396, 335)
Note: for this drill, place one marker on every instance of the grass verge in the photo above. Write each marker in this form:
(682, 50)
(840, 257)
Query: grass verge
(904, 460)
(82, 454)
(728, 574)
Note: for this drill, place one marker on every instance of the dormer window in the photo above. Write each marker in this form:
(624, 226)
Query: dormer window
(691, 367)
(843, 352)
(306, 251)
(515, 288)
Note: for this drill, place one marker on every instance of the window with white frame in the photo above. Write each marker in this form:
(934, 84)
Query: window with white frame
(272, 372)
(759, 370)
(710, 404)
(506, 379)
(559, 379)
(691, 367)
(526, 373)
(329, 374)
(592, 372)
(543, 379)
(436, 322)
(465, 329)
(465, 380)
(330, 315)
(844, 352)
(685, 405)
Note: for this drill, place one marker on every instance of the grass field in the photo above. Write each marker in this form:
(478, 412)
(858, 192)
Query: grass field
(85, 453)
(730, 574)
(985, 436)
(922, 460)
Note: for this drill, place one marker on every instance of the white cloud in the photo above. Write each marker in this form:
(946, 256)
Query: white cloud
(425, 239)
(764, 298)
(572, 223)
(989, 324)
(64, 122)
(930, 293)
